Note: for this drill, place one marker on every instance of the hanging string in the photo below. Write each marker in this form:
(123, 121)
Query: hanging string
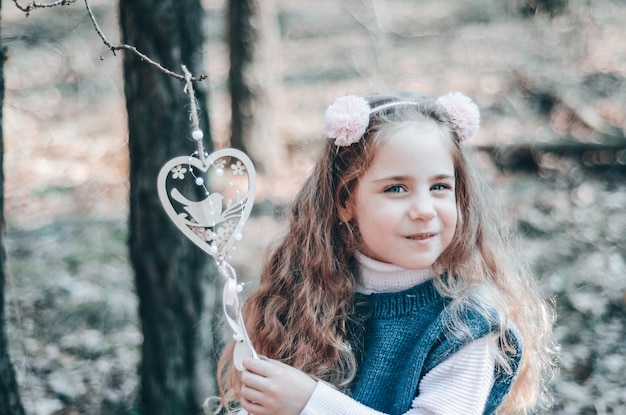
(196, 132)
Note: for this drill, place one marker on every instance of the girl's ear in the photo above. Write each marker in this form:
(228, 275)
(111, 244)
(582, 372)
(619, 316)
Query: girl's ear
(345, 211)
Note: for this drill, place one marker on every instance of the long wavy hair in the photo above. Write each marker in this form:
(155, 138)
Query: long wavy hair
(302, 310)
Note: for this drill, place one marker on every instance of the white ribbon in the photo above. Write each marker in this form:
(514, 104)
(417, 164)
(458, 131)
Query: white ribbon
(232, 311)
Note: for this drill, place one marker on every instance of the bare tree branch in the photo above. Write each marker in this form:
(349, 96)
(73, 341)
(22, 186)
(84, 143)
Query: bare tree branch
(134, 50)
(36, 5)
(113, 48)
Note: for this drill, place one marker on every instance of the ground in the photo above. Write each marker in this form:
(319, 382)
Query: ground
(72, 321)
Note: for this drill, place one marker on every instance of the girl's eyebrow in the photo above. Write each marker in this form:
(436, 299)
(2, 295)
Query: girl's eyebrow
(393, 179)
(405, 178)
(444, 177)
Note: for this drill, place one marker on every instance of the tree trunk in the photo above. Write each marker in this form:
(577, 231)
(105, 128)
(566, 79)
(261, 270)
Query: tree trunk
(10, 403)
(254, 41)
(177, 300)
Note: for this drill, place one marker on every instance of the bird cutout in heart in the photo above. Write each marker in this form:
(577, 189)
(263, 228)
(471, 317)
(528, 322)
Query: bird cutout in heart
(209, 200)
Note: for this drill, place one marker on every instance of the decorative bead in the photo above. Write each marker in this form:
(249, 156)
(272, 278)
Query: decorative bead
(238, 236)
(213, 248)
(197, 135)
(239, 288)
(219, 172)
(199, 181)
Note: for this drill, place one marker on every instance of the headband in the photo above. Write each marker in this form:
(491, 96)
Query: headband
(347, 119)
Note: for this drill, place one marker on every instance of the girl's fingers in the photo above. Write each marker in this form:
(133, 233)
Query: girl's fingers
(267, 367)
(272, 388)
(250, 400)
(253, 380)
(252, 407)
(262, 367)
(251, 394)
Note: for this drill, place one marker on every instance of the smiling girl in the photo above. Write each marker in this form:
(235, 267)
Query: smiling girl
(394, 290)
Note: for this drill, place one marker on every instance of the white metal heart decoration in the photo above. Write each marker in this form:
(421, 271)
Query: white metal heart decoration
(212, 220)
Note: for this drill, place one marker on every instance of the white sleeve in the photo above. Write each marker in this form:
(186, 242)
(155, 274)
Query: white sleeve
(326, 400)
(459, 385)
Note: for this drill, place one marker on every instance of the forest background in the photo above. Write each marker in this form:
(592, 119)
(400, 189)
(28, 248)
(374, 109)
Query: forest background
(548, 77)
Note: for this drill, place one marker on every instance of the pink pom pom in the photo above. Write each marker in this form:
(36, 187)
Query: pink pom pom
(346, 120)
(463, 113)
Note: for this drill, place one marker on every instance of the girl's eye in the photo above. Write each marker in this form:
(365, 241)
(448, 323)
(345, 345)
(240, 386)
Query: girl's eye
(396, 188)
(441, 186)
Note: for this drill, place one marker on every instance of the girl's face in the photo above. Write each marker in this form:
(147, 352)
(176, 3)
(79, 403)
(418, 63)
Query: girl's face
(404, 205)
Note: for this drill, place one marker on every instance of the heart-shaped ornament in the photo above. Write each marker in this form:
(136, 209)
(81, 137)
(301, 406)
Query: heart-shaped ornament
(209, 200)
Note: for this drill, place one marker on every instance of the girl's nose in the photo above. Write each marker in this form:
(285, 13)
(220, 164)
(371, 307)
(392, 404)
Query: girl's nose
(422, 208)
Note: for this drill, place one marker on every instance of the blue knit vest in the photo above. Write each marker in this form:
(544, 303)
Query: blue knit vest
(404, 337)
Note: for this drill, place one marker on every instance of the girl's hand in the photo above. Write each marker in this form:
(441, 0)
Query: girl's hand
(270, 387)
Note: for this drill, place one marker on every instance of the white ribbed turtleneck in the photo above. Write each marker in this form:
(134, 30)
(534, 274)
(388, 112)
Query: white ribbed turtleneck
(381, 277)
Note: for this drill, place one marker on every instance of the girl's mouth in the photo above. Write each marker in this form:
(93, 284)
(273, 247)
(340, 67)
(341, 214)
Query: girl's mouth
(421, 236)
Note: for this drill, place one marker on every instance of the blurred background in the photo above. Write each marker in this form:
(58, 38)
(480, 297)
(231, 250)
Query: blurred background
(548, 77)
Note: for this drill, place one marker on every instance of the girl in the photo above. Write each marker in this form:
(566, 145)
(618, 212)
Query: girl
(393, 291)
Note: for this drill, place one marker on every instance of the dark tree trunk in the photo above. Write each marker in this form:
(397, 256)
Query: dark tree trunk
(241, 39)
(254, 39)
(10, 403)
(175, 281)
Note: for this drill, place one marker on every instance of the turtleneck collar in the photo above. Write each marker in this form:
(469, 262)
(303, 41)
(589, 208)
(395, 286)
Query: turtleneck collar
(380, 277)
